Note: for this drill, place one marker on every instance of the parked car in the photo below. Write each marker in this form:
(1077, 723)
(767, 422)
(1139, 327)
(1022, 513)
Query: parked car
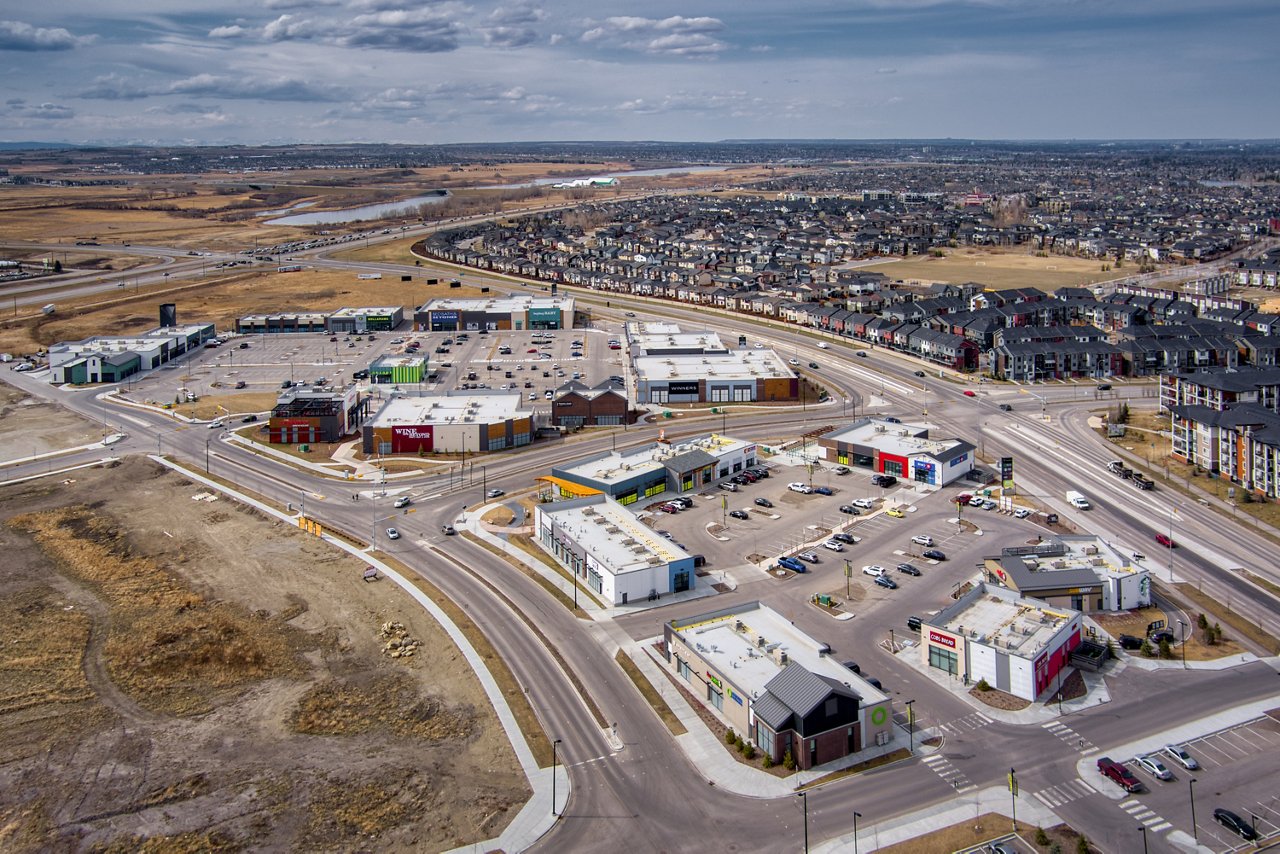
(883, 480)
(886, 581)
(393, 534)
(1235, 824)
(1129, 642)
(402, 501)
(989, 505)
(895, 512)
(1153, 766)
(1021, 513)
(864, 503)
(739, 514)
(802, 488)
(852, 665)
(934, 554)
(840, 537)
(914, 623)
(822, 490)
(976, 501)
(840, 470)
(811, 557)
(922, 540)
(671, 508)
(792, 564)
(1161, 636)
(834, 545)
(1180, 755)
(684, 501)
(728, 486)
(850, 509)
(908, 569)
(873, 569)
(1118, 773)
(763, 502)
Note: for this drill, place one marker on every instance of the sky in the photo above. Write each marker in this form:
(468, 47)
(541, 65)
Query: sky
(400, 71)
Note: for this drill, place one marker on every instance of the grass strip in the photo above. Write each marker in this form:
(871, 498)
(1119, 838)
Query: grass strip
(651, 694)
(875, 762)
(1212, 606)
(556, 592)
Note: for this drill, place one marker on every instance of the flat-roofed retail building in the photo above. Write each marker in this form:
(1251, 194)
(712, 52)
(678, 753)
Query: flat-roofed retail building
(398, 369)
(1082, 572)
(1016, 643)
(611, 551)
(647, 471)
(496, 313)
(450, 423)
(902, 450)
(745, 376)
(776, 685)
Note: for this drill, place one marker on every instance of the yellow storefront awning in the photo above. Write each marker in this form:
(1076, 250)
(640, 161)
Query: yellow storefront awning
(570, 487)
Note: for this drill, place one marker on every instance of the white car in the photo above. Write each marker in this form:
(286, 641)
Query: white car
(393, 534)
(873, 569)
(402, 501)
(793, 361)
(759, 346)
(1022, 513)
(215, 424)
(803, 488)
(1153, 766)
(1180, 755)
(823, 345)
(922, 540)
(976, 501)
(864, 503)
(833, 545)
(811, 557)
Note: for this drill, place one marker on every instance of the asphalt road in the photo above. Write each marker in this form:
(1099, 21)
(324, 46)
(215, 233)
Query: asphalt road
(646, 797)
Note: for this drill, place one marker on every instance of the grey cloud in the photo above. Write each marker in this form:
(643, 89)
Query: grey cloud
(231, 32)
(112, 87)
(886, 71)
(509, 36)
(299, 4)
(519, 13)
(19, 108)
(420, 31)
(16, 35)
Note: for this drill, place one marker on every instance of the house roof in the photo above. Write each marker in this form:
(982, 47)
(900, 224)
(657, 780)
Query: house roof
(801, 690)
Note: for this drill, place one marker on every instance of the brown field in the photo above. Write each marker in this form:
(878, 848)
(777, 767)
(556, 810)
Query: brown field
(312, 290)
(166, 689)
(30, 426)
(999, 269)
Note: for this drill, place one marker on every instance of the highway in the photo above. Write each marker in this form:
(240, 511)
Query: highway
(647, 797)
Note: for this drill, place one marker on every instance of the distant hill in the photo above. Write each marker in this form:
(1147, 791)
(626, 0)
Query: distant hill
(31, 146)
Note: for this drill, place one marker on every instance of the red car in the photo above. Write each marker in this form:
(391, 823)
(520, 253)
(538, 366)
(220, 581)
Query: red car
(968, 393)
(1164, 540)
(1119, 774)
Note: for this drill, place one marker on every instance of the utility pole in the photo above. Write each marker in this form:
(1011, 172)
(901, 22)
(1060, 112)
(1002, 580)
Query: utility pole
(1013, 797)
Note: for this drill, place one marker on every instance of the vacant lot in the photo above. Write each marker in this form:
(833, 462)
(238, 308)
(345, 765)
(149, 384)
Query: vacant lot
(164, 684)
(999, 270)
(30, 426)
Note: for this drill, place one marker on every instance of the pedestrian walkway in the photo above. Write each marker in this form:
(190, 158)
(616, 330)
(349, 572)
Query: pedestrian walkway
(1064, 793)
(1139, 811)
(940, 765)
(1070, 737)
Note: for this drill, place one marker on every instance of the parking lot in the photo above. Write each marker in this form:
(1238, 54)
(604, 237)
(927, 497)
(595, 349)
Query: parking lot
(265, 362)
(1239, 770)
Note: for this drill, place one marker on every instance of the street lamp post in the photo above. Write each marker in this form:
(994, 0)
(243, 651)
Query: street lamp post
(1013, 797)
(554, 745)
(1191, 787)
(1143, 830)
(206, 454)
(856, 815)
(1182, 641)
(911, 730)
(804, 796)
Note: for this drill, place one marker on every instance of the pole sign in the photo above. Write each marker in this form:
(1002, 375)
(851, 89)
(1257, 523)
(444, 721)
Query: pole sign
(1006, 472)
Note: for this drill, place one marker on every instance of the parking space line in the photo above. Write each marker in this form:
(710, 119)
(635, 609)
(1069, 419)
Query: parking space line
(1249, 746)
(1203, 744)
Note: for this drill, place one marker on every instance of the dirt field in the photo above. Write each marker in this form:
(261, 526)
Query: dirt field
(162, 683)
(309, 290)
(999, 269)
(30, 426)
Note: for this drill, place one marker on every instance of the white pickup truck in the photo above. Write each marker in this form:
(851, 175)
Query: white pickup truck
(1078, 500)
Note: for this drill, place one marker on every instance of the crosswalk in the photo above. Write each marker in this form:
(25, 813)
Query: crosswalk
(968, 723)
(1070, 737)
(942, 766)
(1064, 793)
(1144, 814)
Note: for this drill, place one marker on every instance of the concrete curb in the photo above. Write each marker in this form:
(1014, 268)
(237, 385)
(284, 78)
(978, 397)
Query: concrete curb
(535, 818)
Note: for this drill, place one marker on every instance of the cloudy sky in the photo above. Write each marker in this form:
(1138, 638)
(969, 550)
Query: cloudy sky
(271, 71)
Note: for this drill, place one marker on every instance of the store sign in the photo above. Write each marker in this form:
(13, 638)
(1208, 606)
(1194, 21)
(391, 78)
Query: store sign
(412, 432)
(1006, 472)
(544, 314)
(714, 681)
(922, 465)
(444, 316)
(682, 388)
(958, 460)
(941, 639)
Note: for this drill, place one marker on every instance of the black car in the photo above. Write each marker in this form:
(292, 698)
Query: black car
(919, 373)
(738, 514)
(843, 538)
(249, 419)
(883, 480)
(850, 509)
(908, 569)
(852, 665)
(1130, 642)
(886, 581)
(739, 479)
(1161, 635)
(1235, 824)
(934, 554)
(760, 473)
(813, 364)
(764, 502)
(1004, 407)
(448, 530)
(684, 501)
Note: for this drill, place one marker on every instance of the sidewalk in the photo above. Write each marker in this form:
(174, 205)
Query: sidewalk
(535, 818)
(964, 808)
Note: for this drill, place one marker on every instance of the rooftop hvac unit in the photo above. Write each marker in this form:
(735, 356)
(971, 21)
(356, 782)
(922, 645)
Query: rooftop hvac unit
(1091, 550)
(613, 529)
(739, 626)
(1097, 561)
(1059, 564)
(468, 418)
(761, 642)
(600, 520)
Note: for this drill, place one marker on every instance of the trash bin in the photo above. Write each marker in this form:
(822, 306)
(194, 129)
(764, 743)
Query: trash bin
(306, 449)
